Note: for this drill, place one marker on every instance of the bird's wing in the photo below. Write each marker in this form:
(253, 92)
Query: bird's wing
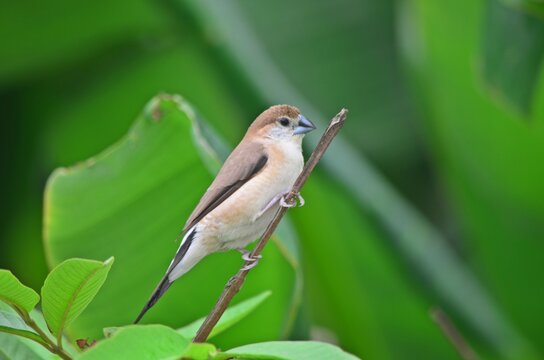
(242, 164)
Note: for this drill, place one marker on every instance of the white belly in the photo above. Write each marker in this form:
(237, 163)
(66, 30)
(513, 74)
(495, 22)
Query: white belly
(234, 223)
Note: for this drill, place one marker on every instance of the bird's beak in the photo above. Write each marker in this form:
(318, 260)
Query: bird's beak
(304, 125)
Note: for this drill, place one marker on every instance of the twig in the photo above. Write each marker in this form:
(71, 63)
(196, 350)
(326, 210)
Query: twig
(235, 282)
(453, 335)
(48, 343)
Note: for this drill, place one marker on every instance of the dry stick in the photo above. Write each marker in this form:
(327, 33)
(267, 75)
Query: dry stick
(235, 282)
(453, 335)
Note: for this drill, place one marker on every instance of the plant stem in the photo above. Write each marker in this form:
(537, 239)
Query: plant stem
(49, 344)
(453, 334)
(235, 283)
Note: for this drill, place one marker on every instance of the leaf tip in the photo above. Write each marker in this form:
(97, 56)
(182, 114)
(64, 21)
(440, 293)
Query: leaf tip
(155, 108)
(109, 261)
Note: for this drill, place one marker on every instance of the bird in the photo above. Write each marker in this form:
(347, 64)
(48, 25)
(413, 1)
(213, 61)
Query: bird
(245, 194)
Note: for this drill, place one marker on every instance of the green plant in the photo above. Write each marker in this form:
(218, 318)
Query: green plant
(73, 284)
(67, 291)
(73, 206)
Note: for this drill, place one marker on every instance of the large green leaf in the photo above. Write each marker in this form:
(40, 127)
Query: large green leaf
(231, 316)
(69, 289)
(491, 161)
(288, 350)
(83, 97)
(512, 54)
(131, 202)
(16, 294)
(139, 342)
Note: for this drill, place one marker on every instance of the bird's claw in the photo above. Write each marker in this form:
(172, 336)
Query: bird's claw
(250, 266)
(246, 256)
(288, 200)
(252, 261)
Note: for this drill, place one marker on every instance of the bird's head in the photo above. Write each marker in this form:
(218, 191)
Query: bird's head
(281, 123)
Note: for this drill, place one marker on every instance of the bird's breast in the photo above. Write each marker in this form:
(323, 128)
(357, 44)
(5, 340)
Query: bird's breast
(236, 218)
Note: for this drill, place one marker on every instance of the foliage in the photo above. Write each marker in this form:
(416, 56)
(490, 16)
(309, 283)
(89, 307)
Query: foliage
(72, 285)
(69, 289)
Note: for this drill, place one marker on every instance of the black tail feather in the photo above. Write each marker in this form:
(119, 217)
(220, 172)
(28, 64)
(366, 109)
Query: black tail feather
(155, 296)
(165, 282)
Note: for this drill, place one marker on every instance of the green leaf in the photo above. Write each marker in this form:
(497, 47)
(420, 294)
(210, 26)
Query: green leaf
(17, 348)
(13, 324)
(139, 342)
(158, 166)
(231, 316)
(109, 331)
(26, 345)
(288, 350)
(512, 54)
(199, 351)
(69, 289)
(16, 294)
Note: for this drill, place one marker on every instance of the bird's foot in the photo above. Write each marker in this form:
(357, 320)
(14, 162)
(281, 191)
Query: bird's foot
(244, 252)
(285, 199)
(290, 200)
(252, 261)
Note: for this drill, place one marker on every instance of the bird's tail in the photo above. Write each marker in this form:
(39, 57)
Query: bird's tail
(155, 296)
(165, 281)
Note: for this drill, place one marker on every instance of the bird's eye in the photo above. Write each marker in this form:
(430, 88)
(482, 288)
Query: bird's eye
(284, 122)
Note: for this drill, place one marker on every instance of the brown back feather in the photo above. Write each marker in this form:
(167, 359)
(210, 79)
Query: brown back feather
(245, 161)
(242, 164)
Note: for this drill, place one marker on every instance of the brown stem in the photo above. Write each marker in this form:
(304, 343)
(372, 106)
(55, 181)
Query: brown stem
(453, 335)
(236, 282)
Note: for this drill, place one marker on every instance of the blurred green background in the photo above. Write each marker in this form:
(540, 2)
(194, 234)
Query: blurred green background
(432, 196)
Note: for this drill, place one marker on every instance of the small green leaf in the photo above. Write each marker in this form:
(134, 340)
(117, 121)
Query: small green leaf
(288, 350)
(12, 324)
(16, 294)
(139, 342)
(231, 316)
(199, 351)
(15, 348)
(69, 288)
(25, 346)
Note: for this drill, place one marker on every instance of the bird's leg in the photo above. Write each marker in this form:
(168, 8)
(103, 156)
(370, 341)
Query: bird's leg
(283, 200)
(272, 202)
(246, 256)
